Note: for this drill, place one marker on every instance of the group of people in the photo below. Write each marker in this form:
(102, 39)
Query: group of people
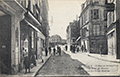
(74, 48)
(58, 50)
(28, 59)
(47, 50)
(77, 48)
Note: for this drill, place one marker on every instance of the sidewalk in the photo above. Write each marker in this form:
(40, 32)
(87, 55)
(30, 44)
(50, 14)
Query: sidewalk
(104, 57)
(96, 65)
(35, 69)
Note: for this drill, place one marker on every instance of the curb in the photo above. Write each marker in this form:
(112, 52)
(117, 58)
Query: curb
(41, 67)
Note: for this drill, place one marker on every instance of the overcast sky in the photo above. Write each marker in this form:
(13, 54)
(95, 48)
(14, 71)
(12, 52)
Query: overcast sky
(61, 12)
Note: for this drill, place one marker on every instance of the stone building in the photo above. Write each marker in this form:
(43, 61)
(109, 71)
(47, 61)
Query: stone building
(113, 29)
(21, 27)
(93, 25)
(72, 32)
(45, 24)
(55, 40)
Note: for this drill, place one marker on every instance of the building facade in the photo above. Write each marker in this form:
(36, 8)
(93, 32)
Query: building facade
(55, 40)
(23, 29)
(72, 32)
(113, 29)
(93, 25)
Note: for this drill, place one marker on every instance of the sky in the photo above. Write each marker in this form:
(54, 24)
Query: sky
(61, 13)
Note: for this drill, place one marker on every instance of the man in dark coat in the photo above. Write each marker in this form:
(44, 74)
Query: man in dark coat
(73, 49)
(66, 47)
(26, 61)
(33, 60)
(59, 50)
(46, 51)
(27, 64)
(54, 50)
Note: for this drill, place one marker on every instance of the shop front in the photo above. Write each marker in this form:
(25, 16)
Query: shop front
(98, 45)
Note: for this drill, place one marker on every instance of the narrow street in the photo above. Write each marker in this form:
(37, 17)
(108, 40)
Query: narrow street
(59, 38)
(62, 65)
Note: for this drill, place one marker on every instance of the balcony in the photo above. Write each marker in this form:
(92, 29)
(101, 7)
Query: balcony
(110, 6)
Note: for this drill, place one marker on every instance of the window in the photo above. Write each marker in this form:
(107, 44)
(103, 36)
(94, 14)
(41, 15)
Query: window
(26, 3)
(110, 1)
(85, 17)
(95, 14)
(96, 29)
(82, 20)
(91, 14)
(100, 30)
(32, 39)
(105, 14)
(110, 18)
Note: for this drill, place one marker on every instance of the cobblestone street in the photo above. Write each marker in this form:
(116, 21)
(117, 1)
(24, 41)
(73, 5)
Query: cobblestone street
(62, 65)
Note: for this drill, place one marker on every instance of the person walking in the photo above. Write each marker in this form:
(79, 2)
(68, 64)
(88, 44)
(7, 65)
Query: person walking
(73, 48)
(77, 48)
(33, 60)
(54, 50)
(46, 51)
(26, 61)
(82, 48)
(66, 47)
(101, 50)
(49, 50)
(59, 50)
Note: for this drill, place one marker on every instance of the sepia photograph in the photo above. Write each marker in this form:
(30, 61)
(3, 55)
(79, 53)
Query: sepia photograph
(59, 38)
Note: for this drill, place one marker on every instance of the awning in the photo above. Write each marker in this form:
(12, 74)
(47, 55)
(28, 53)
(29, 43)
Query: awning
(41, 35)
(29, 17)
(15, 5)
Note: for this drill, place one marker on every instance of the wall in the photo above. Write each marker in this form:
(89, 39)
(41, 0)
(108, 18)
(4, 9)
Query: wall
(118, 27)
(5, 44)
(112, 44)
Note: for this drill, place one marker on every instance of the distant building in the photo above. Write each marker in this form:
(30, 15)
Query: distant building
(93, 25)
(113, 29)
(63, 41)
(55, 39)
(24, 24)
(72, 32)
